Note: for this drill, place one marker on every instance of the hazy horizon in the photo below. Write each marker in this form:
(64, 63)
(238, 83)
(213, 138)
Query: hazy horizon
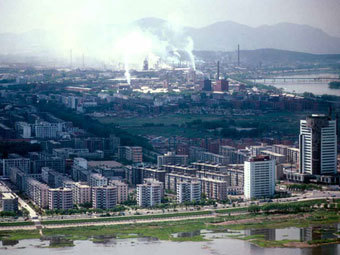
(20, 16)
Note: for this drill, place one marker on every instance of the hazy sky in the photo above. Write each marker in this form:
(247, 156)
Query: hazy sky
(25, 15)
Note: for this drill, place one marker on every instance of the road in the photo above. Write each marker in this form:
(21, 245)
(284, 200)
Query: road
(22, 204)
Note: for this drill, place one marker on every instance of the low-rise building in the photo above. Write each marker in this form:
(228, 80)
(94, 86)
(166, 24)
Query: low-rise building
(9, 202)
(171, 158)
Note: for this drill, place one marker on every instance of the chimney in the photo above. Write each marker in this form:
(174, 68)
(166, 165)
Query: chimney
(238, 55)
(218, 70)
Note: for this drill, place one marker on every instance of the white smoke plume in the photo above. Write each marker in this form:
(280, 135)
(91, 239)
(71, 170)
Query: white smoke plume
(161, 42)
(127, 72)
(189, 49)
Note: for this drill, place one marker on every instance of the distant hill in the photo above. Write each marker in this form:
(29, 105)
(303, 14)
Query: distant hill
(220, 36)
(269, 57)
(224, 36)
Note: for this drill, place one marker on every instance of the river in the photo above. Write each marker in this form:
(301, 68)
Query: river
(317, 87)
(220, 244)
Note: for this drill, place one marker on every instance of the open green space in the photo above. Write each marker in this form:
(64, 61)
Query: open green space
(311, 213)
(18, 223)
(276, 123)
(19, 234)
(127, 218)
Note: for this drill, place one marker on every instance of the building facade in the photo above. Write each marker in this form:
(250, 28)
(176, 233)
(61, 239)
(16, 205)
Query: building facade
(188, 192)
(318, 145)
(150, 193)
(259, 177)
(104, 197)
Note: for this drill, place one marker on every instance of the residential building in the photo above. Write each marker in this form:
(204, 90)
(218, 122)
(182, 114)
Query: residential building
(60, 198)
(37, 192)
(24, 129)
(171, 158)
(9, 202)
(131, 153)
(122, 190)
(97, 180)
(259, 177)
(188, 191)
(104, 197)
(21, 163)
(46, 130)
(81, 193)
(150, 193)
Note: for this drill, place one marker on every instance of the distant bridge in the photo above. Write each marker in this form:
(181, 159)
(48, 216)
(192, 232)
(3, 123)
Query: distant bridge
(292, 79)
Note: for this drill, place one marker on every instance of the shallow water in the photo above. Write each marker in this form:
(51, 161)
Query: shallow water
(221, 244)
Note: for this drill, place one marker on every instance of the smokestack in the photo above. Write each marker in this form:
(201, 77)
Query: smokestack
(336, 123)
(238, 55)
(330, 112)
(70, 58)
(218, 70)
(83, 61)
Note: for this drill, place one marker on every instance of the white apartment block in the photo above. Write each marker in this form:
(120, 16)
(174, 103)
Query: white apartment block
(46, 130)
(259, 177)
(171, 158)
(188, 192)
(97, 180)
(150, 193)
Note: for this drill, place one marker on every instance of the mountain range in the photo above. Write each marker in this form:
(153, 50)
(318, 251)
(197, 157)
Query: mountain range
(226, 35)
(220, 36)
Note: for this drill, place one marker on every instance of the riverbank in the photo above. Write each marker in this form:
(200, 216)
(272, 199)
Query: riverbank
(168, 230)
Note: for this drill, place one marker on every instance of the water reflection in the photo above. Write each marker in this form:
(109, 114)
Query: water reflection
(221, 244)
(187, 234)
(331, 249)
(9, 242)
(58, 241)
(268, 234)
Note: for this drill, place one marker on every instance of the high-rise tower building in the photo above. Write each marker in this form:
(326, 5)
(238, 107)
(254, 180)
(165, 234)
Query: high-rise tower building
(318, 145)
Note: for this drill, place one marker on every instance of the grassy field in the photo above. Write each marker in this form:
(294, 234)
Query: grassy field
(275, 123)
(166, 230)
(127, 218)
(19, 234)
(166, 125)
(319, 217)
(177, 119)
(19, 223)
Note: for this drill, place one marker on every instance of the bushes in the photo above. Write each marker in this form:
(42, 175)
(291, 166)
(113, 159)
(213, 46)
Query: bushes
(7, 214)
(117, 208)
(303, 187)
(254, 209)
(294, 207)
